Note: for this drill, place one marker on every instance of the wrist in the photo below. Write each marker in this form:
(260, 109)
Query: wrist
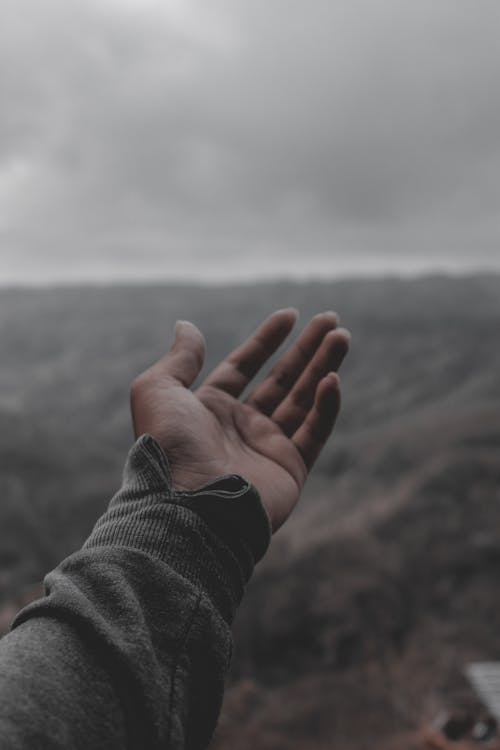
(213, 536)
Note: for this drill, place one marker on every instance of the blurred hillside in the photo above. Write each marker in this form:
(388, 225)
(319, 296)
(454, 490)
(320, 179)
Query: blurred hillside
(384, 583)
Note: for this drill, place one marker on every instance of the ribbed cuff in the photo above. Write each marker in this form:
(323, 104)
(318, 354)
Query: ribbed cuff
(212, 536)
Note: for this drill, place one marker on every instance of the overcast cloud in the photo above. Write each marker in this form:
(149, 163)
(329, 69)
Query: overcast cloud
(144, 138)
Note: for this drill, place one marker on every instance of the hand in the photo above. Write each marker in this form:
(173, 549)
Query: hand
(273, 437)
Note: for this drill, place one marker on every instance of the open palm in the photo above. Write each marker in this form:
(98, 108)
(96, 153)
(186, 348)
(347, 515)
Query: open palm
(273, 436)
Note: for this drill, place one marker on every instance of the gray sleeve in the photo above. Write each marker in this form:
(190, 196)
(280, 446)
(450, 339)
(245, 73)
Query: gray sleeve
(130, 646)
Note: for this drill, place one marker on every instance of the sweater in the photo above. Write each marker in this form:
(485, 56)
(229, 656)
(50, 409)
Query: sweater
(131, 643)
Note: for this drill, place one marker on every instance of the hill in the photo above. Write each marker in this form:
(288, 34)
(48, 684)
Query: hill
(383, 584)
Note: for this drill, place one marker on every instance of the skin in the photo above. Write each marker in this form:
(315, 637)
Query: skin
(273, 436)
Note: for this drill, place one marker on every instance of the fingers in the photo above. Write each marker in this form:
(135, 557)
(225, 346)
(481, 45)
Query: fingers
(185, 359)
(235, 372)
(312, 434)
(271, 392)
(295, 407)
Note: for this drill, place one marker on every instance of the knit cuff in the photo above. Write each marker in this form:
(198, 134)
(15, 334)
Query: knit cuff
(212, 536)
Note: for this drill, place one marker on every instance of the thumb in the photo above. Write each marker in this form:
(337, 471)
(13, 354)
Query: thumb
(186, 356)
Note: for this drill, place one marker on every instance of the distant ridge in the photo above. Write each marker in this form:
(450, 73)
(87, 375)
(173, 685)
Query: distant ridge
(156, 282)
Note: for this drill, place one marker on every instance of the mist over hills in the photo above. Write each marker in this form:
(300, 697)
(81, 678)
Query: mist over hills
(384, 583)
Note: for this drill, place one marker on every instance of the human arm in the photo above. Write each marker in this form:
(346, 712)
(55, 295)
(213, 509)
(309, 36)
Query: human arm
(131, 645)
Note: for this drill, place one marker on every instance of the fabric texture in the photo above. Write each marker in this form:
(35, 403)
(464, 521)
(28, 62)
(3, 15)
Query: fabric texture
(131, 644)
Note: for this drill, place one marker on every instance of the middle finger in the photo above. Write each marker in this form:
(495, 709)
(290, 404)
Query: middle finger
(292, 411)
(267, 396)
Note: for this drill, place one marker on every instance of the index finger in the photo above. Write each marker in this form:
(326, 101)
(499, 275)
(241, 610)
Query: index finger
(236, 371)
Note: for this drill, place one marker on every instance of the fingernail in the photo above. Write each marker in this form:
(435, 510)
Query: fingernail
(345, 332)
(329, 314)
(334, 377)
(289, 309)
(334, 333)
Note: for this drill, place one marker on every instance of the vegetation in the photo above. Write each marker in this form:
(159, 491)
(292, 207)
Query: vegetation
(383, 585)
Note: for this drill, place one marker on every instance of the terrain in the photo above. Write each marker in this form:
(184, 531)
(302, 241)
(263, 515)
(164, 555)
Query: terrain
(358, 624)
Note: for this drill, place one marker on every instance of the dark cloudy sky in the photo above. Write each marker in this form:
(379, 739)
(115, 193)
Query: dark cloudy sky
(235, 138)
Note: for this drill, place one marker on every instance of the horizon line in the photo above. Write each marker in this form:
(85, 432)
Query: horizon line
(184, 281)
